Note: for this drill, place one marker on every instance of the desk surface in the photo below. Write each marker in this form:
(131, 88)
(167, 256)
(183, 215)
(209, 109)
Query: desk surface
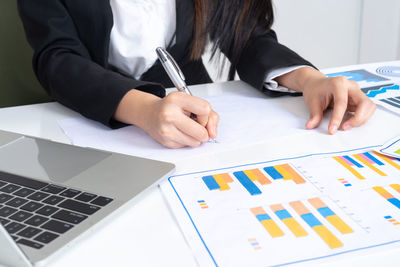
(145, 233)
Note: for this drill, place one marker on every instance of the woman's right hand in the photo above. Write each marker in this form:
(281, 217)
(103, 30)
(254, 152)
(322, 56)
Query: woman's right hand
(167, 120)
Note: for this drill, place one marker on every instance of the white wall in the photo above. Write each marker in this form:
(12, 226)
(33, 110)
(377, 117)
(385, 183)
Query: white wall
(333, 33)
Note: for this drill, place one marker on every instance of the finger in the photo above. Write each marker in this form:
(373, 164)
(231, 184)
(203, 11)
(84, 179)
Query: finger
(191, 128)
(316, 113)
(182, 139)
(212, 125)
(364, 111)
(189, 103)
(340, 99)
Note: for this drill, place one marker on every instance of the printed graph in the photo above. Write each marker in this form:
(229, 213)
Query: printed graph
(359, 76)
(253, 179)
(371, 160)
(376, 91)
(387, 195)
(393, 71)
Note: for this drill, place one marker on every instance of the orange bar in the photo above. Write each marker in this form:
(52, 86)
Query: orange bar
(258, 211)
(276, 207)
(317, 203)
(296, 177)
(383, 192)
(261, 177)
(372, 167)
(226, 177)
(388, 160)
(299, 207)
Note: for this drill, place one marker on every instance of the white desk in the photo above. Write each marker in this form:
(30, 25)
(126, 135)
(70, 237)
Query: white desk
(146, 234)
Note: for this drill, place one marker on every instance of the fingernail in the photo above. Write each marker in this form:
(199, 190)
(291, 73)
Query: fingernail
(333, 129)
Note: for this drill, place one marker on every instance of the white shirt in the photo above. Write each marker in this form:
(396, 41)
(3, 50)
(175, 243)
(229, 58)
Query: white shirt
(140, 26)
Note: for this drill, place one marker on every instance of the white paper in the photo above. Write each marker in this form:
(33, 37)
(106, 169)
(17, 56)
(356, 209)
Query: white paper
(245, 118)
(391, 148)
(223, 231)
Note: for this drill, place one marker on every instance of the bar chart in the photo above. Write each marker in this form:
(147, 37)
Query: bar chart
(314, 206)
(367, 160)
(253, 179)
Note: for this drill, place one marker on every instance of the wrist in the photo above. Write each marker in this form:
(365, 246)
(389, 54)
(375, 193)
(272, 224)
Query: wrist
(299, 79)
(135, 108)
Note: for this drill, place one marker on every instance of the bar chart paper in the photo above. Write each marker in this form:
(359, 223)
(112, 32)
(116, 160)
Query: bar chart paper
(288, 211)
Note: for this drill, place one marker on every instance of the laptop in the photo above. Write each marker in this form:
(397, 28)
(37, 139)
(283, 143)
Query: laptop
(52, 193)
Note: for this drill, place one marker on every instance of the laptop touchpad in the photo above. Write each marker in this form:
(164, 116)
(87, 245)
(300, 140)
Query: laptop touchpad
(47, 160)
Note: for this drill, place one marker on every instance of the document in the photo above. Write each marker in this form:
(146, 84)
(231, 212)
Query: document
(288, 211)
(245, 118)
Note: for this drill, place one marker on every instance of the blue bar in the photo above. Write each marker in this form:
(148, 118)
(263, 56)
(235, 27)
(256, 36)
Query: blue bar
(247, 183)
(347, 185)
(388, 217)
(325, 211)
(273, 173)
(311, 220)
(201, 201)
(374, 159)
(283, 214)
(211, 183)
(353, 161)
(395, 202)
(263, 217)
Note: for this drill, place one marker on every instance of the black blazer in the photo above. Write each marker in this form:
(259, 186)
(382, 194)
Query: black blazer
(71, 39)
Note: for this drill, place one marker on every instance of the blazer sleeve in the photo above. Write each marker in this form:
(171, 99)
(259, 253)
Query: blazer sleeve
(263, 55)
(64, 67)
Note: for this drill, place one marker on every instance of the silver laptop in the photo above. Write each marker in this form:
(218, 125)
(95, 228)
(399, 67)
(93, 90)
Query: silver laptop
(51, 193)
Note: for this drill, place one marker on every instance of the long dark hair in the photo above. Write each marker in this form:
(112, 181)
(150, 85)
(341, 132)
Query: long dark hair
(230, 25)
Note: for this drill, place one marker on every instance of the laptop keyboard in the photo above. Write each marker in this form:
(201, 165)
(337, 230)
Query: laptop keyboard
(35, 213)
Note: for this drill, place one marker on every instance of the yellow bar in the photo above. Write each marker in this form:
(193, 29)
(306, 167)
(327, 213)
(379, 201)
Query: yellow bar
(327, 236)
(272, 228)
(286, 175)
(295, 227)
(296, 177)
(388, 160)
(396, 187)
(339, 224)
(251, 175)
(372, 167)
(383, 192)
(353, 171)
(221, 181)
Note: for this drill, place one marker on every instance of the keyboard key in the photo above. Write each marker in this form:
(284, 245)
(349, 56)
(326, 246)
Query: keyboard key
(4, 221)
(38, 196)
(69, 216)
(10, 188)
(56, 226)
(53, 189)
(14, 227)
(30, 243)
(46, 237)
(36, 220)
(19, 180)
(70, 193)
(53, 200)
(16, 202)
(101, 201)
(14, 237)
(5, 198)
(85, 197)
(2, 184)
(31, 206)
(21, 216)
(47, 210)
(29, 232)
(7, 211)
(23, 192)
(79, 207)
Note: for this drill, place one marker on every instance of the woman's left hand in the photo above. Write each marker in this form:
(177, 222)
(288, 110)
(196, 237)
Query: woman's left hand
(321, 92)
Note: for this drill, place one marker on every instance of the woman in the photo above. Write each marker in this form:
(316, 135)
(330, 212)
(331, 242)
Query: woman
(97, 57)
